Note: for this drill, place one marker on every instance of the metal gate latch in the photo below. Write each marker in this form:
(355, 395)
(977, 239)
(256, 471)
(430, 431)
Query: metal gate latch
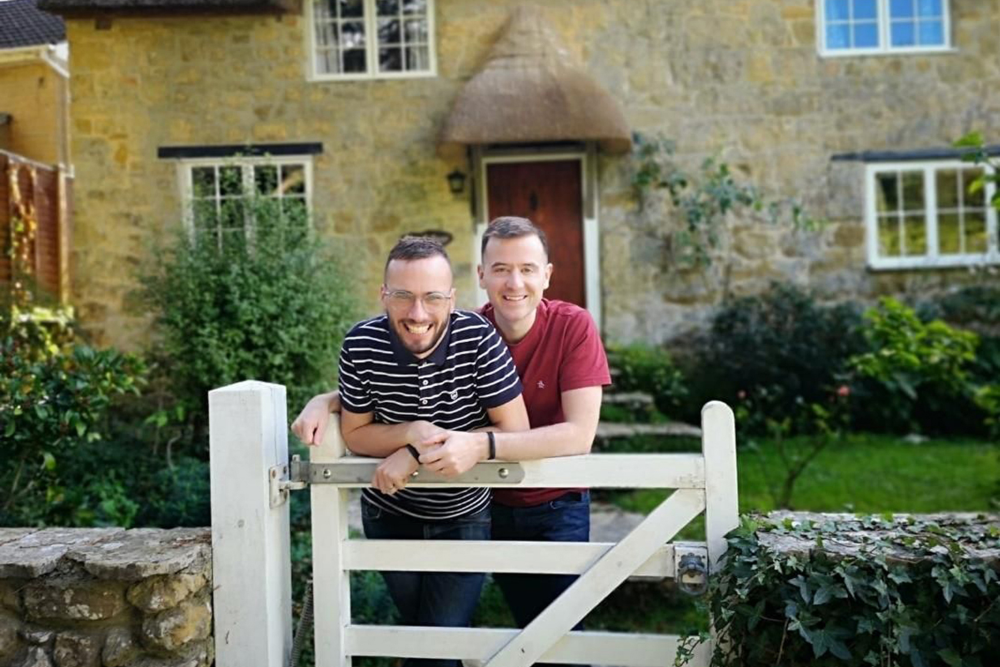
(691, 570)
(280, 485)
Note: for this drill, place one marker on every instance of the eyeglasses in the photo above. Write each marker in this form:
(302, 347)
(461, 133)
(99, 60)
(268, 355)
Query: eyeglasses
(401, 300)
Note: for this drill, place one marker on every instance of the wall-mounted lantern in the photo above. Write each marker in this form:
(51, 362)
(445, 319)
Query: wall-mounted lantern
(456, 182)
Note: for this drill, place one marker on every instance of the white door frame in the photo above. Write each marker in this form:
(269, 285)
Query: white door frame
(591, 238)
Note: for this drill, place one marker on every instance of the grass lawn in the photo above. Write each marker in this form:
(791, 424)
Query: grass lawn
(866, 474)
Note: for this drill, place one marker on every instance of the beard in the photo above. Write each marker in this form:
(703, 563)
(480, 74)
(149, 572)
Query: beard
(421, 347)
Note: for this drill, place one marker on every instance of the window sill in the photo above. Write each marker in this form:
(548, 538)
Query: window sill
(919, 264)
(395, 76)
(909, 51)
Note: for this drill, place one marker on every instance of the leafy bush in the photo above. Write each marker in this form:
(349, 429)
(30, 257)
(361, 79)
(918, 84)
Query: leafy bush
(54, 398)
(650, 370)
(916, 594)
(781, 349)
(920, 368)
(271, 305)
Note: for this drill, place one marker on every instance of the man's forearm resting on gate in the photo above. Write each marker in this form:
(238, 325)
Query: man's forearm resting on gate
(581, 408)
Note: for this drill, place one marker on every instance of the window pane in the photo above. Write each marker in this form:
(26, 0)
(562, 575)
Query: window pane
(326, 34)
(204, 214)
(929, 8)
(351, 8)
(887, 192)
(293, 179)
(417, 59)
(415, 6)
(903, 33)
(388, 32)
(888, 236)
(266, 179)
(973, 199)
(352, 35)
(865, 9)
(931, 33)
(913, 191)
(390, 60)
(230, 181)
(328, 61)
(915, 231)
(354, 61)
(901, 9)
(416, 32)
(232, 213)
(203, 181)
(838, 36)
(949, 234)
(947, 188)
(837, 10)
(388, 7)
(975, 232)
(865, 35)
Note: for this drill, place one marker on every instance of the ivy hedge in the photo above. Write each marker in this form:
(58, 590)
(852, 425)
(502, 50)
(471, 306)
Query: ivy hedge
(842, 590)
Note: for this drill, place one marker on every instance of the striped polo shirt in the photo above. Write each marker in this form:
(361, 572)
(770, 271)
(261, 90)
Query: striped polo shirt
(468, 372)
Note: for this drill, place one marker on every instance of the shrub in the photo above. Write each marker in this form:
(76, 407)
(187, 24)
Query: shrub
(650, 370)
(920, 368)
(781, 349)
(54, 401)
(272, 306)
(916, 593)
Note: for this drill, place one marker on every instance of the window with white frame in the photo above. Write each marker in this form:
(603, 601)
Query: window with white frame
(359, 39)
(233, 198)
(857, 27)
(927, 215)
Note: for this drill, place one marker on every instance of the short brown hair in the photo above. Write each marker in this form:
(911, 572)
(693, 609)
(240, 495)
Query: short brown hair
(512, 227)
(410, 248)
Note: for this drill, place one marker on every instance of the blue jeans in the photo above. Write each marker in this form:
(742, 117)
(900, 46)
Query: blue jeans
(565, 519)
(443, 599)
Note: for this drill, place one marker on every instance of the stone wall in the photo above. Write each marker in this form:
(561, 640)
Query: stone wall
(105, 597)
(736, 78)
(34, 95)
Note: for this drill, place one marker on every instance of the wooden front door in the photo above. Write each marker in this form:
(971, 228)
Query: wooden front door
(550, 194)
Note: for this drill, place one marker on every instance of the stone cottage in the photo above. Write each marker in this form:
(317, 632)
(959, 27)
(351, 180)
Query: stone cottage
(385, 117)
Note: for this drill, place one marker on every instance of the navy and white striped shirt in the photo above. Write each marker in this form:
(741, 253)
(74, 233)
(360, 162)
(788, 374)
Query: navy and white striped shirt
(469, 372)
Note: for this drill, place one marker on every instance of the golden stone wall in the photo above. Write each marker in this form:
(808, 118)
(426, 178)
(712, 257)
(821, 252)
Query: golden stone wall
(739, 79)
(32, 93)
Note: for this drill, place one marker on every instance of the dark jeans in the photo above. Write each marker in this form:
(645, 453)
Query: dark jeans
(443, 599)
(565, 519)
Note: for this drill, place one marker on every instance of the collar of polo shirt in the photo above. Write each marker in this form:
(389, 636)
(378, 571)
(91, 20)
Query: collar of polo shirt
(404, 356)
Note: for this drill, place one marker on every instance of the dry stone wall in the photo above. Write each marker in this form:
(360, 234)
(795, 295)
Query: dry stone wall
(105, 597)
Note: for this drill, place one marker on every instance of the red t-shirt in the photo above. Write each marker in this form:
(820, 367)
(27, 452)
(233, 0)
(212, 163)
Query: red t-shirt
(561, 352)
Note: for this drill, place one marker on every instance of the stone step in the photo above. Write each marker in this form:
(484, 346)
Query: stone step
(616, 431)
(631, 399)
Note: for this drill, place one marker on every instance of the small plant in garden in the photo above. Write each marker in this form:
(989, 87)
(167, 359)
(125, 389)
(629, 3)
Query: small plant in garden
(909, 356)
(825, 423)
(650, 370)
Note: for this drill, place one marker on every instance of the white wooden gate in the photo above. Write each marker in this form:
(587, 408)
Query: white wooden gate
(251, 559)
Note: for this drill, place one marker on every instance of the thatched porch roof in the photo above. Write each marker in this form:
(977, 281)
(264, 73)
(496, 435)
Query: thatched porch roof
(532, 90)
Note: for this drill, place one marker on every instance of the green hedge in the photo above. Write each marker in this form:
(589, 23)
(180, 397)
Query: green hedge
(859, 591)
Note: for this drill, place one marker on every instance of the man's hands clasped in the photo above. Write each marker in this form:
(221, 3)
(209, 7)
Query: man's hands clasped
(448, 453)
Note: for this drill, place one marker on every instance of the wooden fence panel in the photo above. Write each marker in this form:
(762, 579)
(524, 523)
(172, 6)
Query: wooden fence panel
(44, 192)
(6, 273)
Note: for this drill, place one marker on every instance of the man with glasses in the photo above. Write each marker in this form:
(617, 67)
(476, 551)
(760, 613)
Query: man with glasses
(421, 369)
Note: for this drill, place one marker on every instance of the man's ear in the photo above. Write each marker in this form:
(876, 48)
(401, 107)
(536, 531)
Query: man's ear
(482, 274)
(548, 274)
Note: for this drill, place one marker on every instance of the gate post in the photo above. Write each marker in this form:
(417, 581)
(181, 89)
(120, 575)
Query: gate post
(251, 555)
(722, 507)
(331, 580)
